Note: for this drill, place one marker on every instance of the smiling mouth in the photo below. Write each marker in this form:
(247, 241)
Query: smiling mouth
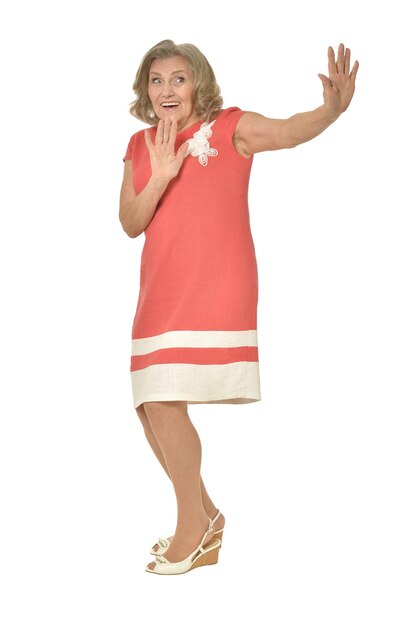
(170, 106)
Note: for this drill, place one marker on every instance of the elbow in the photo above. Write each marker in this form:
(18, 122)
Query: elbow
(290, 143)
(130, 232)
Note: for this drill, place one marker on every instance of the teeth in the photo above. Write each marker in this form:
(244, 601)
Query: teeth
(166, 104)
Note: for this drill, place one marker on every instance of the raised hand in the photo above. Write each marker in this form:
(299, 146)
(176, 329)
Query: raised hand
(339, 88)
(164, 162)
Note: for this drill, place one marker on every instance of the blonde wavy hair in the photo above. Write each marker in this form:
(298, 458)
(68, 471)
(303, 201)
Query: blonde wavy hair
(207, 100)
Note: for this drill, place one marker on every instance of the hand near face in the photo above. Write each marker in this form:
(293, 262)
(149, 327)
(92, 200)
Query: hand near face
(164, 162)
(339, 88)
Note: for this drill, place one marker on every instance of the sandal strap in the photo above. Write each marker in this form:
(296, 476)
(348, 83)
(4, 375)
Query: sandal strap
(208, 531)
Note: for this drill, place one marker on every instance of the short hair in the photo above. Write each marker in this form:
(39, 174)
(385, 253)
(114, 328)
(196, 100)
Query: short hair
(207, 100)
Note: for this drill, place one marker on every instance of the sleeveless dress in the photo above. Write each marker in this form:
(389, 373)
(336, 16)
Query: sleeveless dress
(194, 333)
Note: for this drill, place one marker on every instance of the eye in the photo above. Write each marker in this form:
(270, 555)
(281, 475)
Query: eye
(180, 78)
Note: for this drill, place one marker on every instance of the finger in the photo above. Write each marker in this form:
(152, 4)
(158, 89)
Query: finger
(325, 81)
(167, 125)
(354, 70)
(347, 62)
(332, 64)
(159, 132)
(173, 131)
(148, 140)
(182, 150)
(340, 59)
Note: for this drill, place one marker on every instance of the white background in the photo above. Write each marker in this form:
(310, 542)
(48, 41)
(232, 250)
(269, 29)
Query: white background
(316, 481)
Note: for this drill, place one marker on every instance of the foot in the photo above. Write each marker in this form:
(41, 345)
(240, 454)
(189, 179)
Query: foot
(218, 525)
(184, 542)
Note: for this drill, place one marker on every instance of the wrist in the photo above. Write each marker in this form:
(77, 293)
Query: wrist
(331, 114)
(159, 181)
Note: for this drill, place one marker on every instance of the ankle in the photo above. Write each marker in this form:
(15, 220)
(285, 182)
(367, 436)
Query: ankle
(192, 521)
(211, 510)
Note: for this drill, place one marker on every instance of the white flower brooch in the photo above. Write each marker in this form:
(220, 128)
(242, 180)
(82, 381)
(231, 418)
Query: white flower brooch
(199, 145)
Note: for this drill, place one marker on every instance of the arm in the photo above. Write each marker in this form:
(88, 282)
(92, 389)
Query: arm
(136, 211)
(255, 133)
(302, 127)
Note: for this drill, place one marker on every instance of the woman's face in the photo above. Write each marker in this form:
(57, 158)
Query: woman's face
(170, 80)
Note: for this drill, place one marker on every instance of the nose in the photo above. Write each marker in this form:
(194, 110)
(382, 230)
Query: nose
(167, 93)
(168, 90)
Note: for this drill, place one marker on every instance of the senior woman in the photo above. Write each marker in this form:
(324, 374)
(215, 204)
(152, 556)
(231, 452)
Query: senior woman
(194, 333)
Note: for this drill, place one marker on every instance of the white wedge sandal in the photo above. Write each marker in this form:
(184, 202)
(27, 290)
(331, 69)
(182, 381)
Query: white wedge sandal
(162, 544)
(207, 555)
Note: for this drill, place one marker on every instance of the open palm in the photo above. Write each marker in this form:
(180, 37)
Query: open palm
(339, 88)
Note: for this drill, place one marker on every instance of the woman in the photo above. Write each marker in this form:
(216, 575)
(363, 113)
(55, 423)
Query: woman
(194, 334)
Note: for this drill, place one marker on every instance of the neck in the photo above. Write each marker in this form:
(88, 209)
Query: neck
(188, 123)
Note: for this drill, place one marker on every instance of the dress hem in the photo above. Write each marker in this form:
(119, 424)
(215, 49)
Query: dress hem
(185, 398)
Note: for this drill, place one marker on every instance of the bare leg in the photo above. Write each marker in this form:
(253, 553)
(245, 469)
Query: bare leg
(180, 445)
(208, 505)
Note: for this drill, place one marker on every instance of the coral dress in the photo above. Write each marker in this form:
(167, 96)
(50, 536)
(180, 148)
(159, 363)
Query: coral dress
(194, 333)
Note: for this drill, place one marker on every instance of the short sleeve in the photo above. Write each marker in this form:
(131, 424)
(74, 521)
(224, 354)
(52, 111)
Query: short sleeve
(233, 115)
(129, 150)
(231, 119)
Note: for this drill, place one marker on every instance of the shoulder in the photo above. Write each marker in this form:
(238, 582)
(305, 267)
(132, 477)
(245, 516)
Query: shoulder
(230, 114)
(138, 135)
(136, 140)
(234, 117)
